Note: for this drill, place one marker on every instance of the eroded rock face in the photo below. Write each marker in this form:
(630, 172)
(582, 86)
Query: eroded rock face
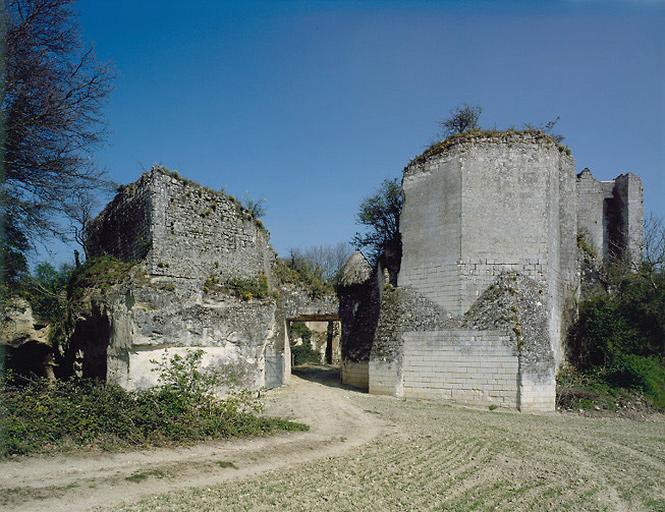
(119, 334)
(26, 340)
(203, 279)
(19, 326)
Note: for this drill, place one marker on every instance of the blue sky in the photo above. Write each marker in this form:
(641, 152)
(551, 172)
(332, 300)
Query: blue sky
(310, 105)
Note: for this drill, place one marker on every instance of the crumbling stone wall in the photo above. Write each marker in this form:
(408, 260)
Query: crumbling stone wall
(190, 244)
(489, 277)
(182, 230)
(124, 228)
(611, 215)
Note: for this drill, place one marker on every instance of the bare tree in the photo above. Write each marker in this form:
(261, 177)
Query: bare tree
(462, 119)
(51, 106)
(80, 212)
(325, 260)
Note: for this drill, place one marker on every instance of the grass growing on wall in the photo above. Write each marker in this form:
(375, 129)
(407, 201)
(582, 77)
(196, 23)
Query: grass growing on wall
(37, 417)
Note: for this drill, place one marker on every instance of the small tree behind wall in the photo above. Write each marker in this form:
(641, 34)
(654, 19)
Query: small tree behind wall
(379, 214)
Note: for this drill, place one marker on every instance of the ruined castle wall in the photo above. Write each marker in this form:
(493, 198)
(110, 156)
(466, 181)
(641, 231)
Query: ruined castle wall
(461, 365)
(591, 223)
(611, 214)
(199, 233)
(183, 230)
(510, 209)
(629, 201)
(483, 208)
(430, 225)
(124, 228)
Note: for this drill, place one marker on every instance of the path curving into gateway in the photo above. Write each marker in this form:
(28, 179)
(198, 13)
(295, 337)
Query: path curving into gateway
(74, 482)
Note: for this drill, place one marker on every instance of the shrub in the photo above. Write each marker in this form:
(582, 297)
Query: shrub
(644, 373)
(602, 333)
(299, 273)
(619, 337)
(303, 353)
(39, 417)
(245, 289)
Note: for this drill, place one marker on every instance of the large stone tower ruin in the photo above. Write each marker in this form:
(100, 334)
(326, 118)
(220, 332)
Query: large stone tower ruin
(489, 277)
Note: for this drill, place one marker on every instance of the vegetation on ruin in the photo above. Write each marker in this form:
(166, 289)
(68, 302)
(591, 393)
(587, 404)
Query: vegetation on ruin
(301, 273)
(99, 273)
(504, 136)
(463, 125)
(618, 341)
(243, 288)
(303, 353)
(45, 288)
(38, 417)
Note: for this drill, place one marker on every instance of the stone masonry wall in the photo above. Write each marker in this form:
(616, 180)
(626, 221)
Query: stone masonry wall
(198, 232)
(611, 215)
(462, 365)
(486, 207)
(183, 230)
(123, 228)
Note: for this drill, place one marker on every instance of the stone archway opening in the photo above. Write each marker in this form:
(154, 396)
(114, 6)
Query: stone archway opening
(315, 339)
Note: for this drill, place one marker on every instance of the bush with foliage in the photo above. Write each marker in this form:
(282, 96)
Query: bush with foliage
(243, 288)
(619, 337)
(184, 407)
(303, 353)
(299, 272)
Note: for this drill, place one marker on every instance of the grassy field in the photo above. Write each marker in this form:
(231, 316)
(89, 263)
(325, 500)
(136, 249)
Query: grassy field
(436, 457)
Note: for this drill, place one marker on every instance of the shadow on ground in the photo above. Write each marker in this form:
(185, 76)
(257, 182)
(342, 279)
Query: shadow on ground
(327, 375)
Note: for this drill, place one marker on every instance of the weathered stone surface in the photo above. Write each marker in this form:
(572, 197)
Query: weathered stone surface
(356, 270)
(19, 326)
(490, 269)
(610, 215)
(193, 248)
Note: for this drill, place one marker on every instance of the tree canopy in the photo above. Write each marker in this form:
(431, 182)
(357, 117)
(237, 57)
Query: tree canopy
(51, 110)
(379, 214)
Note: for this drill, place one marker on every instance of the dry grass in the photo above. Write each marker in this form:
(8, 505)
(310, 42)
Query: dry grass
(446, 458)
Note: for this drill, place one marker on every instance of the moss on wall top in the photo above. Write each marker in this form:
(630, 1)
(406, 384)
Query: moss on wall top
(494, 136)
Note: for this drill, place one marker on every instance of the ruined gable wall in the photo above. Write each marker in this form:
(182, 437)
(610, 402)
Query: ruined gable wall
(198, 233)
(629, 201)
(591, 223)
(123, 228)
(611, 214)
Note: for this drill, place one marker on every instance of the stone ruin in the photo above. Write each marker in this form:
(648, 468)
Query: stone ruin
(191, 249)
(493, 227)
(490, 273)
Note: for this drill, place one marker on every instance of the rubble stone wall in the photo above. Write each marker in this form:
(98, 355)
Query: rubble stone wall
(611, 215)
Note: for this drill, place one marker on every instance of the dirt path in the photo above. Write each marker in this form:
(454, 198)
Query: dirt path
(84, 482)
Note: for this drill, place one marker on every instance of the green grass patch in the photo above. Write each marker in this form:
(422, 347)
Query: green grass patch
(226, 464)
(140, 476)
(99, 273)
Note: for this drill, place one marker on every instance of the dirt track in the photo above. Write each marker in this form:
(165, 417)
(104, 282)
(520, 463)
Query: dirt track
(84, 482)
(371, 453)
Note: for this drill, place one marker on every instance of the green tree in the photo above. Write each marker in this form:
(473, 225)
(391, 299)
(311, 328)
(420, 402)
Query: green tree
(379, 214)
